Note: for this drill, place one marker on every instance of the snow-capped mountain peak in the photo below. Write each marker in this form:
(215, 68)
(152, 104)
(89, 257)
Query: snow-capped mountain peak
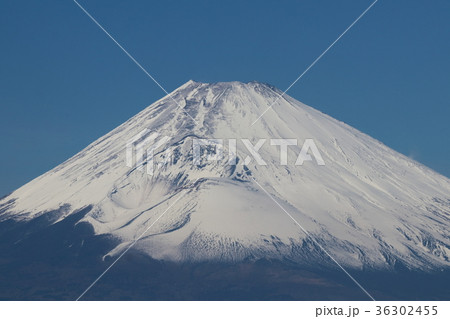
(367, 204)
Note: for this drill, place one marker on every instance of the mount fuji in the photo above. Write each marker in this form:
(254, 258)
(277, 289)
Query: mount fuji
(371, 208)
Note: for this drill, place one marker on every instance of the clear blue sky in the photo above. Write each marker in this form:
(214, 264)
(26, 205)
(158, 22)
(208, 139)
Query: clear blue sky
(63, 83)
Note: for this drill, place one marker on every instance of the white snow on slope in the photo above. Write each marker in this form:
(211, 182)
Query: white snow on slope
(369, 206)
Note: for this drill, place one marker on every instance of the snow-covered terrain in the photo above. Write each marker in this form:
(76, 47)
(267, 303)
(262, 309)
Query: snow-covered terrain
(368, 206)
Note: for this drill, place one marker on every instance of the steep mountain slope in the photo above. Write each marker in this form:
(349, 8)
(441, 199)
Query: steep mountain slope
(368, 206)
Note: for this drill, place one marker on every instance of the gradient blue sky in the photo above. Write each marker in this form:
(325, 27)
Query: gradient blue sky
(64, 83)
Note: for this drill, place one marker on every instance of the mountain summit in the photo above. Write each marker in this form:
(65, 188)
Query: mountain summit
(368, 206)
